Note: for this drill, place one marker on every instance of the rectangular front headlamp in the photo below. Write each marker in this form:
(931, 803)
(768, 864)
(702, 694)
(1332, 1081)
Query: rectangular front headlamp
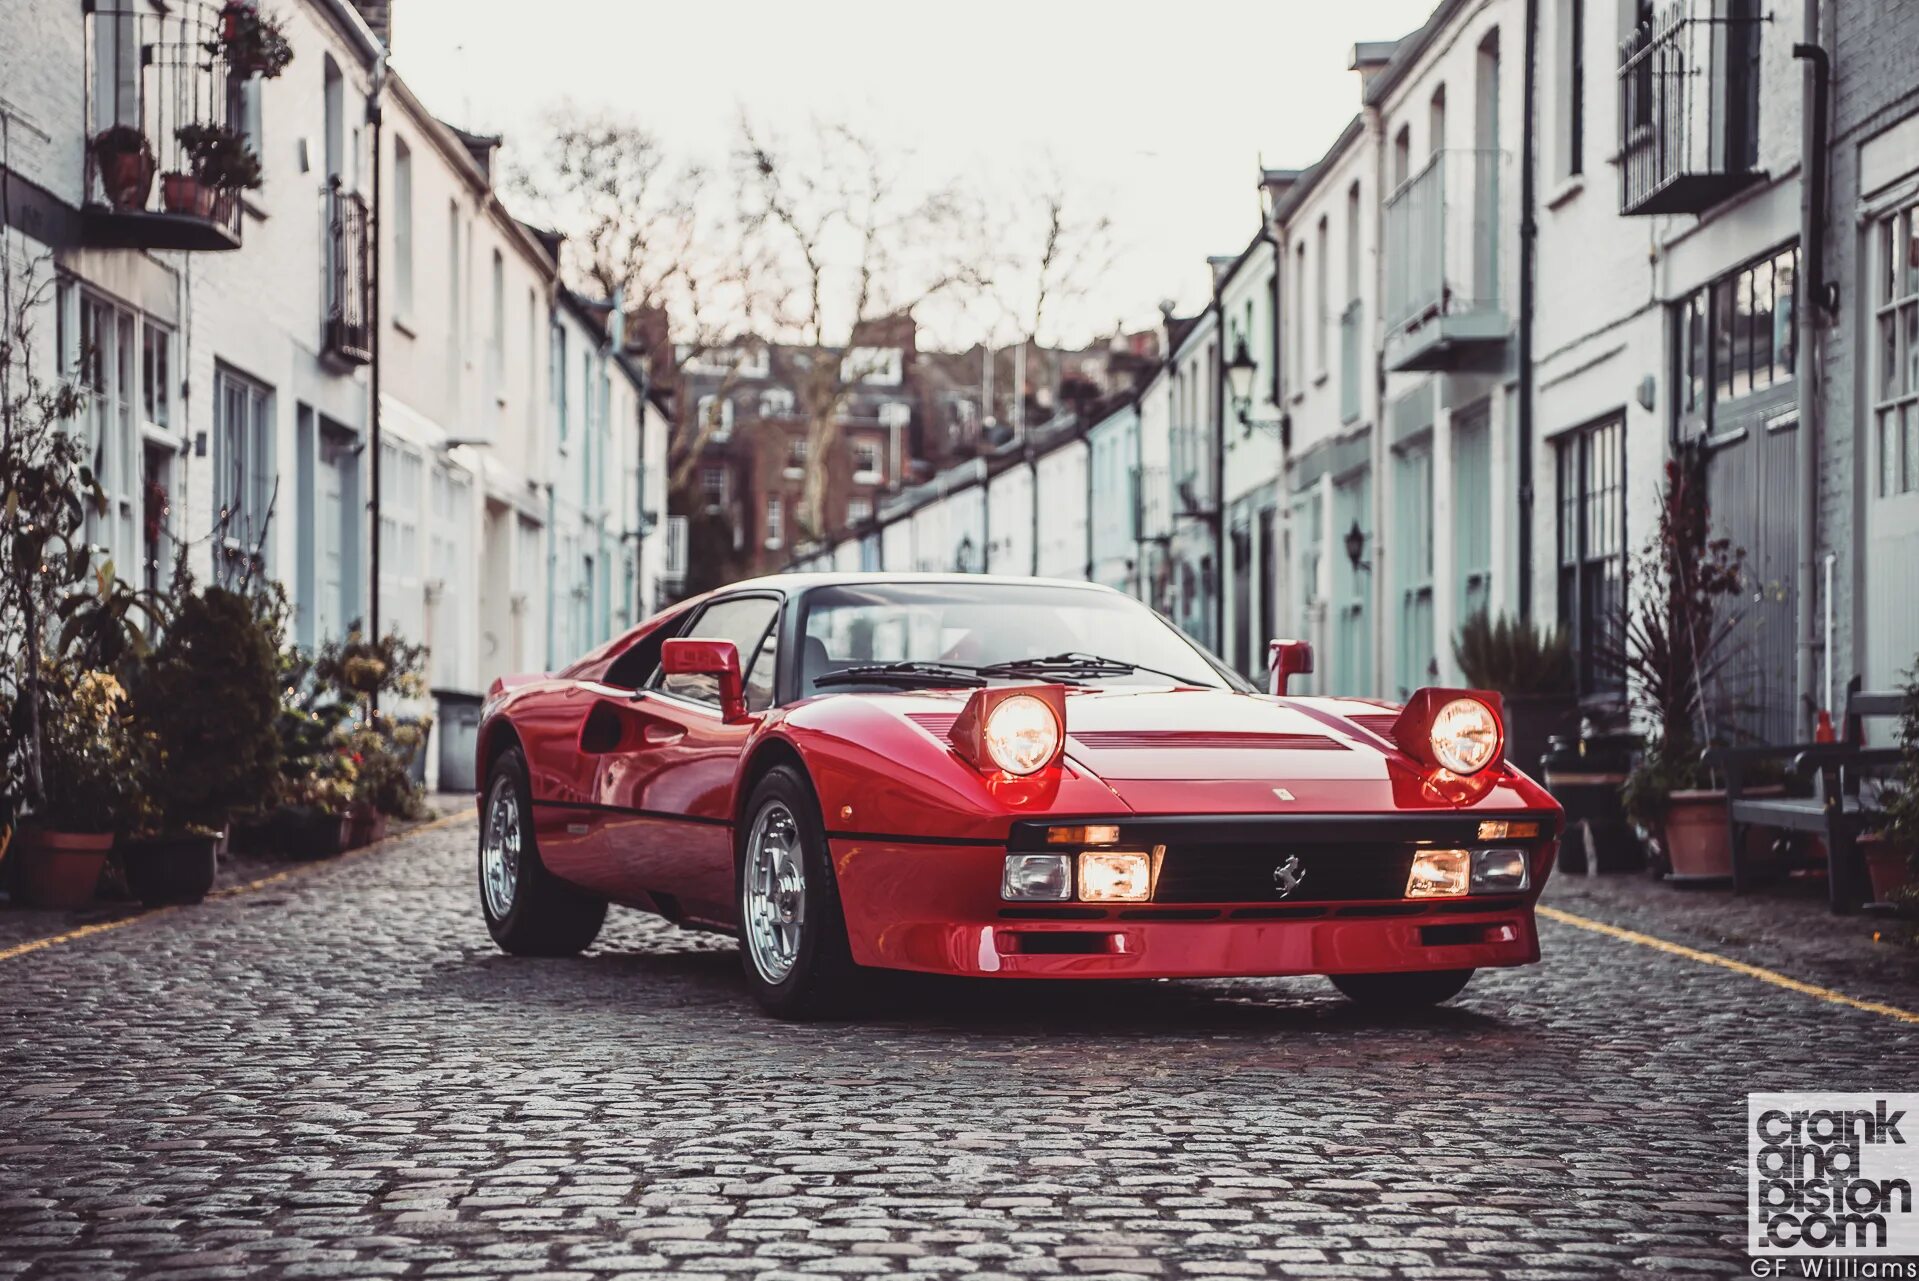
(1439, 874)
(1115, 876)
(1452, 873)
(1042, 877)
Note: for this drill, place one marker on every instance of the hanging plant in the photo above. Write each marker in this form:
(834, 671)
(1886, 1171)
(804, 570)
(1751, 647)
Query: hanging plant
(252, 42)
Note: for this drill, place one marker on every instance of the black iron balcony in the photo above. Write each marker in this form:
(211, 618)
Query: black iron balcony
(1444, 306)
(1689, 108)
(348, 331)
(159, 94)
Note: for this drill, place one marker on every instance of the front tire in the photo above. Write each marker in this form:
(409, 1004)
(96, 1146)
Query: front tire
(792, 931)
(529, 911)
(1413, 990)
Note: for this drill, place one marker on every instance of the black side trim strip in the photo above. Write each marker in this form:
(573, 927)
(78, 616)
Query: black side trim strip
(628, 809)
(977, 841)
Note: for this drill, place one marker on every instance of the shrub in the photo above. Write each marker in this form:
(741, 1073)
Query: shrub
(88, 757)
(1513, 656)
(209, 701)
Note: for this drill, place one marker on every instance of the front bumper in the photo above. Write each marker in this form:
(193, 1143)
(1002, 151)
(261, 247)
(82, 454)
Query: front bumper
(937, 908)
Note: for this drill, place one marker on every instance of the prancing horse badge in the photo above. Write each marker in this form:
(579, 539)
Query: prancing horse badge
(1288, 875)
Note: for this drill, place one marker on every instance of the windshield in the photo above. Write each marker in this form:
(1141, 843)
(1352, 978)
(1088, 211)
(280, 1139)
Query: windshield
(977, 625)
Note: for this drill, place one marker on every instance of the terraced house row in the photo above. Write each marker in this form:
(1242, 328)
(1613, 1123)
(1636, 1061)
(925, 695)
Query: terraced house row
(256, 400)
(1400, 408)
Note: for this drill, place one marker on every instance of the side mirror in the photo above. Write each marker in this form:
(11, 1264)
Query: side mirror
(1286, 659)
(720, 659)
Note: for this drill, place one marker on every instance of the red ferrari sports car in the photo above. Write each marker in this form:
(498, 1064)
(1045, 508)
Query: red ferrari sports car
(1005, 778)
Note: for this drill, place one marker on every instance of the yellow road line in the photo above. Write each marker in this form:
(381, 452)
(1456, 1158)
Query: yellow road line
(1725, 962)
(101, 927)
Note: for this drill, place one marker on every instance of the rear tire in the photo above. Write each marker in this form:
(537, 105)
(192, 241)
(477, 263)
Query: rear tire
(792, 931)
(1412, 990)
(529, 911)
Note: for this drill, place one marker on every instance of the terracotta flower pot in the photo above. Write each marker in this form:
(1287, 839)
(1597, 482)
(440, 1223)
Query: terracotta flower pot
(127, 177)
(182, 193)
(1886, 866)
(1697, 844)
(365, 825)
(60, 869)
(170, 869)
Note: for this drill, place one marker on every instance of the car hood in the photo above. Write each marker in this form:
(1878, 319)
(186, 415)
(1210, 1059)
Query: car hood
(1169, 751)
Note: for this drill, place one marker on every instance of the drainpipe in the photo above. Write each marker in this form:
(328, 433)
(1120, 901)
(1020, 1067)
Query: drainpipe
(1528, 253)
(1812, 236)
(373, 115)
(1217, 374)
(1032, 466)
(1089, 507)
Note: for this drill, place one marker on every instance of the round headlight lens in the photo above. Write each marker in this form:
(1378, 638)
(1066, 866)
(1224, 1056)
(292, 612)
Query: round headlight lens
(1022, 734)
(1465, 736)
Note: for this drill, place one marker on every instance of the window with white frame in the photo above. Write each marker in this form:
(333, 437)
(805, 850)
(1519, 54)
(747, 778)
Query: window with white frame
(876, 366)
(1323, 305)
(402, 474)
(496, 330)
(776, 402)
(156, 375)
(713, 485)
(402, 228)
(449, 533)
(858, 510)
(103, 364)
(1895, 372)
(866, 462)
(775, 521)
(796, 451)
(715, 417)
(556, 380)
(1571, 86)
(242, 470)
(894, 413)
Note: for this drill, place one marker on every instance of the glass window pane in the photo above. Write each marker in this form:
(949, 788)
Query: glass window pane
(1722, 321)
(1785, 343)
(1888, 357)
(1911, 412)
(1910, 224)
(1742, 326)
(1762, 330)
(1912, 346)
(1888, 261)
(1887, 443)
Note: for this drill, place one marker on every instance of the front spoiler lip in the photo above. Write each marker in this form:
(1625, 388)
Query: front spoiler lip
(1441, 828)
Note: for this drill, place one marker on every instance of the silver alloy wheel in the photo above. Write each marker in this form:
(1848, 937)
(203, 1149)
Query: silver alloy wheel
(500, 850)
(775, 883)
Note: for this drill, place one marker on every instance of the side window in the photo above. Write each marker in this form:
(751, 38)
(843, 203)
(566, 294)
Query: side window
(748, 623)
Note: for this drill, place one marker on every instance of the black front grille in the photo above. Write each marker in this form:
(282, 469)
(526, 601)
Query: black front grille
(1249, 873)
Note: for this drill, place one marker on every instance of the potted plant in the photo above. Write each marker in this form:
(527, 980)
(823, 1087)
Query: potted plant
(1671, 646)
(252, 42)
(220, 164)
(1532, 670)
(1892, 851)
(88, 769)
(383, 748)
(208, 700)
(126, 166)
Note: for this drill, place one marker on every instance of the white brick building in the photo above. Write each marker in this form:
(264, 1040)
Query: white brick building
(230, 352)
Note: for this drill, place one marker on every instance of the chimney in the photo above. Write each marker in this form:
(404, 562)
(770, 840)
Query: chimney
(1370, 57)
(379, 16)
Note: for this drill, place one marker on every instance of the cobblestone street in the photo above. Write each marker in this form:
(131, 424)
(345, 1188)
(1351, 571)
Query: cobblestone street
(338, 1075)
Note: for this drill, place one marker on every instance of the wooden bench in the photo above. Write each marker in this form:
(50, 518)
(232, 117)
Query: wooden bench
(1836, 811)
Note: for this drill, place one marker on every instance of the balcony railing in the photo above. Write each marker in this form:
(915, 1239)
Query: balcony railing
(1443, 288)
(348, 322)
(1352, 351)
(1689, 108)
(150, 74)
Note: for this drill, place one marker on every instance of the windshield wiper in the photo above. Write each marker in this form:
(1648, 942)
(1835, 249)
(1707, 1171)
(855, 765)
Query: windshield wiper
(902, 673)
(1079, 664)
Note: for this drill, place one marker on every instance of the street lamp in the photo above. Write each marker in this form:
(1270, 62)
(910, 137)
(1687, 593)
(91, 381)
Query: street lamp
(1239, 384)
(1356, 547)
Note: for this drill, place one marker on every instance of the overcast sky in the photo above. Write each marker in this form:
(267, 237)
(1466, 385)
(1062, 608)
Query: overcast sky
(1163, 111)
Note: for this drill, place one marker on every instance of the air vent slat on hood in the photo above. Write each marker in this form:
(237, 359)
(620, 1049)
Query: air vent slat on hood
(938, 724)
(1124, 740)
